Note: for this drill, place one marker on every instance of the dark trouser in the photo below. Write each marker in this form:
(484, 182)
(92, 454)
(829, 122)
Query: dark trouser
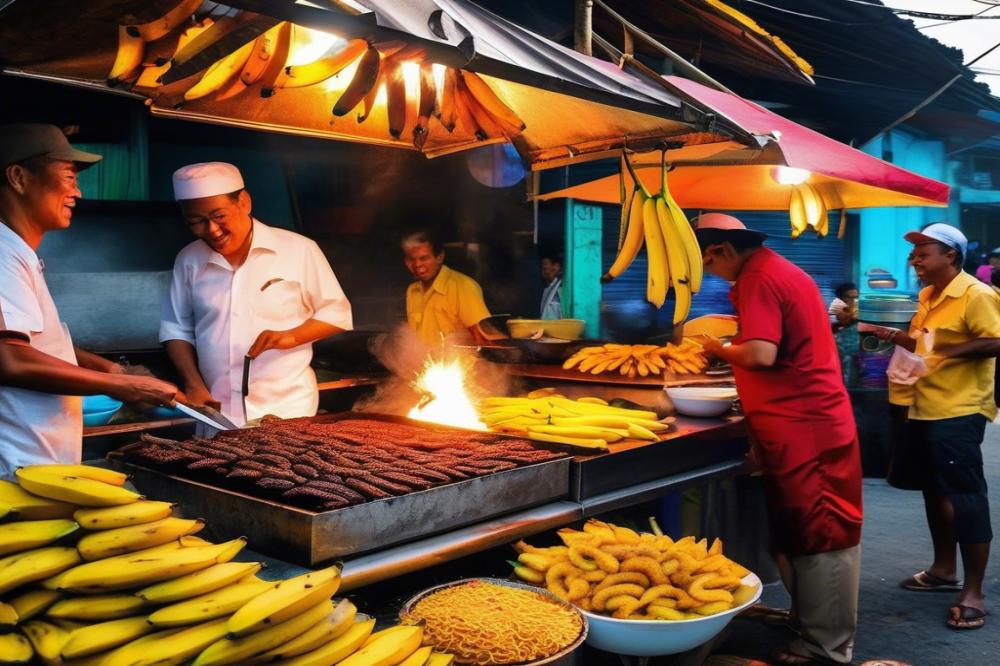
(945, 457)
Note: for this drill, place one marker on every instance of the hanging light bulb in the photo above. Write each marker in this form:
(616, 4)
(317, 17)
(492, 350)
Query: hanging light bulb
(784, 175)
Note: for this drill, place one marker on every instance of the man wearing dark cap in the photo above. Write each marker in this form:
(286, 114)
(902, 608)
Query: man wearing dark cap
(804, 438)
(42, 374)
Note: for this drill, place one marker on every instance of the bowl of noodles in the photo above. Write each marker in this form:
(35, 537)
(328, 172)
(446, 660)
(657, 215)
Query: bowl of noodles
(486, 621)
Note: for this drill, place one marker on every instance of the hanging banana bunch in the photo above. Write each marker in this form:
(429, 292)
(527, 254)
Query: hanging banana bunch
(672, 251)
(807, 209)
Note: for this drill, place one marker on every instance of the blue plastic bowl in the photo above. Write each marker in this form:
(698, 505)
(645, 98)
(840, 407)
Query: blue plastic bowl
(98, 409)
(163, 413)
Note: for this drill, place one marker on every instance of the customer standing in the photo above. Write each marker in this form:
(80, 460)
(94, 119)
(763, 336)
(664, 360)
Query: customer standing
(788, 375)
(957, 331)
(844, 320)
(552, 274)
(985, 271)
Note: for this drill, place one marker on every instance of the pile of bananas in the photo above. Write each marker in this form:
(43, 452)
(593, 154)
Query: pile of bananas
(226, 55)
(640, 360)
(673, 253)
(588, 423)
(139, 588)
(617, 571)
(807, 210)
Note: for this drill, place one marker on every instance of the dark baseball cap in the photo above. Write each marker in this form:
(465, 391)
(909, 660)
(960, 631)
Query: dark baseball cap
(24, 141)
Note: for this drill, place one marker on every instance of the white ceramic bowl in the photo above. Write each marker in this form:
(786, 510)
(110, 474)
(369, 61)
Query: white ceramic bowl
(702, 401)
(649, 638)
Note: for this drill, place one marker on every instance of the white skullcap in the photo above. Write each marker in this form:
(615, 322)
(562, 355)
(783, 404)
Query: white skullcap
(206, 179)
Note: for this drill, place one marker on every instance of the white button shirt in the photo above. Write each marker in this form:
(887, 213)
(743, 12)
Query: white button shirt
(284, 282)
(35, 427)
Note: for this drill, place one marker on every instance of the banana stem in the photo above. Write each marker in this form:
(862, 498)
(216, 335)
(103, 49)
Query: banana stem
(635, 176)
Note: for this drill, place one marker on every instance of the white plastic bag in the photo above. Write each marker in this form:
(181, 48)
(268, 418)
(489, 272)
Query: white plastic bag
(906, 367)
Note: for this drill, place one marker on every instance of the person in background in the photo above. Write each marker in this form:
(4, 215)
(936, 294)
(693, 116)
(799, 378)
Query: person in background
(245, 289)
(957, 332)
(551, 295)
(803, 432)
(42, 374)
(843, 312)
(985, 272)
(442, 303)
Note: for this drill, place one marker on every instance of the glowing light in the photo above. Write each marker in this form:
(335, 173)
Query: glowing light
(784, 175)
(309, 45)
(449, 402)
(411, 76)
(438, 70)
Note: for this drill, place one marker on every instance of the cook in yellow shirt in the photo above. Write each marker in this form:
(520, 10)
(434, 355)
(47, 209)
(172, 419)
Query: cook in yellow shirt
(442, 301)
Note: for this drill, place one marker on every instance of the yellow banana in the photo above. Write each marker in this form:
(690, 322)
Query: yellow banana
(27, 534)
(638, 432)
(490, 102)
(136, 513)
(593, 400)
(155, 67)
(262, 54)
(418, 658)
(441, 659)
(597, 444)
(583, 432)
(8, 616)
(47, 639)
(219, 603)
(634, 235)
(7, 511)
(198, 583)
(389, 649)
(384, 632)
(102, 474)
(317, 71)
(274, 74)
(365, 77)
(75, 489)
(584, 409)
(822, 213)
(104, 636)
(336, 650)
(797, 213)
(107, 543)
(35, 565)
(336, 624)
(128, 58)
(166, 24)
(170, 648)
(395, 100)
(659, 269)
(96, 607)
(237, 650)
(842, 229)
(128, 654)
(33, 602)
(690, 242)
(219, 73)
(15, 649)
(287, 599)
(680, 270)
(32, 507)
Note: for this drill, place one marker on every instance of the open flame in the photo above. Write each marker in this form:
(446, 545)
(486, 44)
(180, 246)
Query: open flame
(446, 398)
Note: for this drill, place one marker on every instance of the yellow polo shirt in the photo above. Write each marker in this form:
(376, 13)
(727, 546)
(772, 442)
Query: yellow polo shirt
(453, 303)
(966, 310)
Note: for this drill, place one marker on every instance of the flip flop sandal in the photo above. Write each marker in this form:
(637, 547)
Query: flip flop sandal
(928, 582)
(969, 618)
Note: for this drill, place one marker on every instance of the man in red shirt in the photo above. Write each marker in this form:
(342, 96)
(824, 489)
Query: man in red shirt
(804, 438)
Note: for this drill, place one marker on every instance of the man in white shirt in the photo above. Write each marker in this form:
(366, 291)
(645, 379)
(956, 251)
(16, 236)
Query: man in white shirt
(245, 289)
(551, 295)
(42, 374)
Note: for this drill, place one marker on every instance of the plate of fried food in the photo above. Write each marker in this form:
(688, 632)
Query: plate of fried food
(492, 621)
(643, 594)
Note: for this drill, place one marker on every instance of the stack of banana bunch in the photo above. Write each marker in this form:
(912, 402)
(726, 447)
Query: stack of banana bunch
(616, 571)
(672, 251)
(139, 588)
(808, 210)
(587, 423)
(223, 56)
(640, 360)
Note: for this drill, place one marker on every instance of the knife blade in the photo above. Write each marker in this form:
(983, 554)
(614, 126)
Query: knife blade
(198, 416)
(245, 386)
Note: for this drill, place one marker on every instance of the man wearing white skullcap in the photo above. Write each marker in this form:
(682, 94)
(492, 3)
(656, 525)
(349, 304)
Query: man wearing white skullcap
(246, 290)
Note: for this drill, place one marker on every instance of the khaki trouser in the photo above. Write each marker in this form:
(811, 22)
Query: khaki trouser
(824, 594)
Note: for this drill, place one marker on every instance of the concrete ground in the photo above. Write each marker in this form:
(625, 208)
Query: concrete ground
(894, 623)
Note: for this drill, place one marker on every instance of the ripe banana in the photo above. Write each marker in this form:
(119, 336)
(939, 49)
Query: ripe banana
(170, 648)
(164, 25)
(15, 649)
(35, 565)
(75, 489)
(47, 639)
(426, 105)
(32, 507)
(489, 126)
(577, 431)
(388, 649)
(336, 650)
(384, 632)
(131, 652)
(33, 602)
(83, 471)
(220, 603)
(634, 235)
(136, 513)
(447, 106)
(128, 58)
(464, 119)
(27, 534)
(395, 88)
(680, 269)
(104, 636)
(274, 74)
(637, 431)
(96, 607)
(511, 125)
(797, 213)
(368, 101)
(142, 568)
(317, 71)
(107, 543)
(287, 599)
(155, 66)
(596, 444)
(440, 659)
(814, 206)
(226, 35)
(690, 242)
(659, 269)
(262, 54)
(842, 229)
(219, 74)
(365, 77)
(198, 583)
(8, 616)
(237, 650)
(418, 658)
(336, 624)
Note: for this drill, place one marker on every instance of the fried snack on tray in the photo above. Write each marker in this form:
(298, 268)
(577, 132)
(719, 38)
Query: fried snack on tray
(484, 623)
(615, 571)
(687, 358)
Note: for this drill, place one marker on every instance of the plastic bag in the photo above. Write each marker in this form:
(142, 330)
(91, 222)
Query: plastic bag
(906, 367)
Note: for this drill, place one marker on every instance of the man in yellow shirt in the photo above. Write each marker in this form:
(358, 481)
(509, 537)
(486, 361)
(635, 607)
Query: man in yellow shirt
(442, 303)
(957, 332)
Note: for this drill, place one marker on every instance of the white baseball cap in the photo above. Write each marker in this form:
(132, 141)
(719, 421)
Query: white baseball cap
(206, 179)
(939, 232)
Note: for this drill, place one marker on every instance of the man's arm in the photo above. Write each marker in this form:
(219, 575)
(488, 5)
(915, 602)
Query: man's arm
(92, 361)
(751, 355)
(182, 354)
(307, 332)
(981, 348)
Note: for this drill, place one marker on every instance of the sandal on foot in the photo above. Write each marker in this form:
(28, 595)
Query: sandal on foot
(928, 582)
(965, 618)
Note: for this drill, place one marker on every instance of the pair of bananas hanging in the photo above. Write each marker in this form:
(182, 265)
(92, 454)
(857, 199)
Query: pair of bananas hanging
(640, 360)
(808, 210)
(672, 251)
(138, 588)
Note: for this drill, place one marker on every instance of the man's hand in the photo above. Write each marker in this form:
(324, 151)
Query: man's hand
(712, 346)
(199, 396)
(146, 391)
(273, 340)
